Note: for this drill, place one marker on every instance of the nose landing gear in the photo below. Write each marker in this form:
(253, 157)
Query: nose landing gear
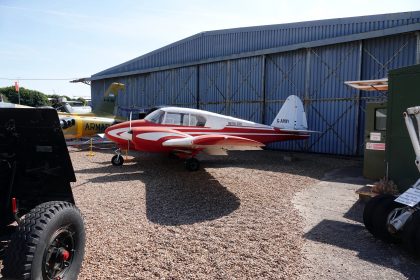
(117, 160)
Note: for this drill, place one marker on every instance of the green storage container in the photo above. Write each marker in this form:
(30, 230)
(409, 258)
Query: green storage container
(403, 92)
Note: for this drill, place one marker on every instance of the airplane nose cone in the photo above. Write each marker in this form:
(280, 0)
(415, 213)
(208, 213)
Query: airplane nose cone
(120, 133)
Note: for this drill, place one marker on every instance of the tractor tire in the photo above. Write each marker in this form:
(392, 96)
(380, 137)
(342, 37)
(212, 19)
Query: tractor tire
(380, 220)
(370, 209)
(417, 243)
(411, 234)
(48, 244)
(117, 160)
(192, 164)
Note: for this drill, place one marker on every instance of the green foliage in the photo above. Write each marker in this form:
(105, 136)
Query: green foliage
(27, 97)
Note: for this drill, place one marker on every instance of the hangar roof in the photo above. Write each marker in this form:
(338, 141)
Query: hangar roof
(219, 45)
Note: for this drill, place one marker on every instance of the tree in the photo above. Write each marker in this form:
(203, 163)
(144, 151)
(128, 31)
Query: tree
(27, 97)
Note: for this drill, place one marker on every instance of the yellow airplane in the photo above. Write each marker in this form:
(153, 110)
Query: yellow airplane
(84, 125)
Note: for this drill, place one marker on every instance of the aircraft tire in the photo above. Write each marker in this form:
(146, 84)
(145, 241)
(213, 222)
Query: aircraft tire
(117, 160)
(192, 164)
(48, 244)
(380, 220)
(411, 234)
(370, 209)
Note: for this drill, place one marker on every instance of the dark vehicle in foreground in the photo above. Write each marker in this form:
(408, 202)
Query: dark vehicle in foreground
(42, 234)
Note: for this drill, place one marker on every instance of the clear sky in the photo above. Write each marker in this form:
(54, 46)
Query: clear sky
(49, 39)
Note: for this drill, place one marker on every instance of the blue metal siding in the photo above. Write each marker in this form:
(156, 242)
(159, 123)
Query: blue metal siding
(330, 67)
(213, 87)
(226, 86)
(232, 41)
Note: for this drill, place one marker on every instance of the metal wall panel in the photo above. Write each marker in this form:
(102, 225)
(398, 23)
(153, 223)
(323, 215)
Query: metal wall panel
(213, 87)
(233, 88)
(176, 87)
(332, 107)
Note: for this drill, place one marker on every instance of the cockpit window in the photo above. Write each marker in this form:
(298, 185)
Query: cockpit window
(171, 118)
(197, 120)
(155, 117)
(176, 118)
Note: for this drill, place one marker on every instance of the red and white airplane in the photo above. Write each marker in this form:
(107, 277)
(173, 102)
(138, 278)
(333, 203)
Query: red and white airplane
(186, 132)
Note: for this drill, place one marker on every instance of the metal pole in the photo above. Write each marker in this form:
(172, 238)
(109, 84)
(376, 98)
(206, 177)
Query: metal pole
(263, 113)
(417, 47)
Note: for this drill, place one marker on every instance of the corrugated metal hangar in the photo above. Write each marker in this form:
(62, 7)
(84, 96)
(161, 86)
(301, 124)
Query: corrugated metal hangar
(249, 72)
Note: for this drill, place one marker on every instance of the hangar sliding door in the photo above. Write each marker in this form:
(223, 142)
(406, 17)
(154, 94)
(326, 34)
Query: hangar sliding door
(317, 76)
(233, 88)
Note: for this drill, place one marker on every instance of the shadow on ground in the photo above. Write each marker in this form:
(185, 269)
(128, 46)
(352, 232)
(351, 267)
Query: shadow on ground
(356, 238)
(173, 196)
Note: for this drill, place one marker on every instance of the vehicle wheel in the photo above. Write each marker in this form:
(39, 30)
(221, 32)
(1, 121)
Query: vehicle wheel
(417, 243)
(370, 208)
(380, 220)
(411, 234)
(48, 244)
(117, 160)
(192, 164)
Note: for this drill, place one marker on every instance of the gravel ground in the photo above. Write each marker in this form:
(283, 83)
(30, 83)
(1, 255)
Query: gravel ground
(232, 220)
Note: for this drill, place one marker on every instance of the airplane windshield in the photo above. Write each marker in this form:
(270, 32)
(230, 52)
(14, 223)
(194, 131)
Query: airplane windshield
(155, 117)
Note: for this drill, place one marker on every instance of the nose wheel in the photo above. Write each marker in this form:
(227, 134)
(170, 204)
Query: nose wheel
(192, 164)
(117, 160)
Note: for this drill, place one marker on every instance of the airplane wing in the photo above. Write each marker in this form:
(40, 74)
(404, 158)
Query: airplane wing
(214, 144)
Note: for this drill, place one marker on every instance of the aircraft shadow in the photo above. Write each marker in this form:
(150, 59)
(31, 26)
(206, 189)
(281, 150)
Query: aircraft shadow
(266, 160)
(356, 238)
(173, 196)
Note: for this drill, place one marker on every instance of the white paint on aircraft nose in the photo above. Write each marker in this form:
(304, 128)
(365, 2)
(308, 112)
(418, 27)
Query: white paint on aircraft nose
(155, 136)
(121, 133)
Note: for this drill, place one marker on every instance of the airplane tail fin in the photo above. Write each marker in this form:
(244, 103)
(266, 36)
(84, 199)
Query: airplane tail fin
(291, 115)
(108, 103)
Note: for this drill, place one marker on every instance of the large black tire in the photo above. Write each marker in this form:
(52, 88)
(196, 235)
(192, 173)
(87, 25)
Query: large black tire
(52, 233)
(192, 164)
(117, 160)
(417, 243)
(380, 220)
(411, 234)
(370, 208)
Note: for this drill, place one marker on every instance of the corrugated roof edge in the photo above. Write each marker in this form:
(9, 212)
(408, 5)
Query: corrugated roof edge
(312, 44)
(334, 21)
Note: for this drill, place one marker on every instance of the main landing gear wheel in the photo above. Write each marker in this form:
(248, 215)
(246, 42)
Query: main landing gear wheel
(48, 244)
(192, 164)
(380, 219)
(411, 234)
(117, 160)
(370, 209)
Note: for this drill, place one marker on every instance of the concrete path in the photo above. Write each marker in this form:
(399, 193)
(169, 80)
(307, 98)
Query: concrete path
(337, 244)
